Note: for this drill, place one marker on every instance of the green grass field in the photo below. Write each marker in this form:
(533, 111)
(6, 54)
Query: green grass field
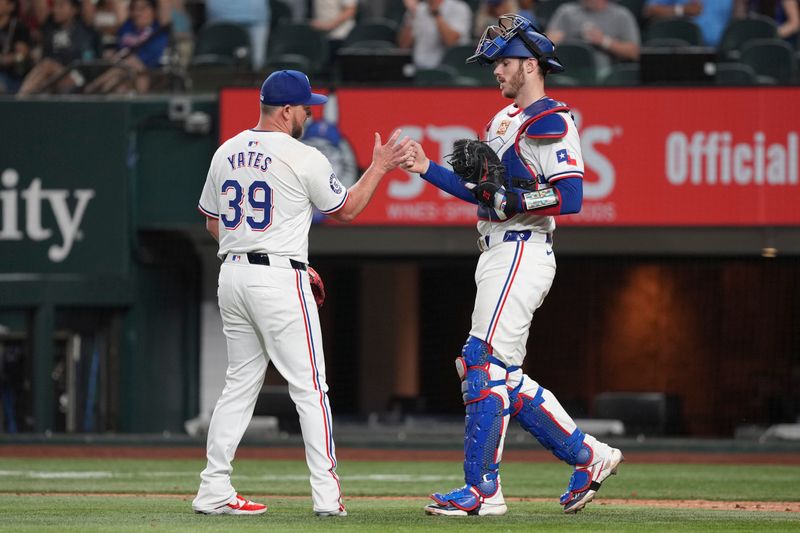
(155, 495)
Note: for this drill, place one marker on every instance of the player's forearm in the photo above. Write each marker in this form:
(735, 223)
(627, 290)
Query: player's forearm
(212, 226)
(567, 194)
(448, 181)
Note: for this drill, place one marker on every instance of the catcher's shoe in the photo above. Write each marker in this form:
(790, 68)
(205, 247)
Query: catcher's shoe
(240, 506)
(465, 501)
(586, 481)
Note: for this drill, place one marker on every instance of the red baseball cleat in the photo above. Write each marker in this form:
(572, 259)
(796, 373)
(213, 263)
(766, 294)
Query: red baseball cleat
(240, 506)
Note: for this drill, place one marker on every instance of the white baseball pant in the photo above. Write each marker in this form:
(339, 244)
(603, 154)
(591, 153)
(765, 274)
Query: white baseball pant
(512, 281)
(269, 315)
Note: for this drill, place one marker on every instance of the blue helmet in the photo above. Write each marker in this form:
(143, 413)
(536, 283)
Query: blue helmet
(515, 36)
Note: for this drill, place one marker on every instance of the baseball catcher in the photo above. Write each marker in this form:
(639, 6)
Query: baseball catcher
(527, 172)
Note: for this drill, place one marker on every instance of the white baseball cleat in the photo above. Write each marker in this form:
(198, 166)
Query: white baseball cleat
(241, 506)
(585, 482)
(339, 512)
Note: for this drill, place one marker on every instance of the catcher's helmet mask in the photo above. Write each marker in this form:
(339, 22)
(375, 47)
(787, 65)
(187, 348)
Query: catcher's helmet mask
(515, 36)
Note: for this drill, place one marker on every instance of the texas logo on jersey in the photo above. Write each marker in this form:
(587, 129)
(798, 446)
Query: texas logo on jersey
(564, 156)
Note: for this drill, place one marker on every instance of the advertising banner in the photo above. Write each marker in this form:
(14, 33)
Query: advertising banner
(63, 188)
(653, 156)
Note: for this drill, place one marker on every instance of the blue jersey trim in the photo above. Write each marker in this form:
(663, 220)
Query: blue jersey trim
(206, 212)
(338, 206)
(567, 174)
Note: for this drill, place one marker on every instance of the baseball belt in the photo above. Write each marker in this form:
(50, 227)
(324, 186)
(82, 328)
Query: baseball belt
(255, 258)
(487, 241)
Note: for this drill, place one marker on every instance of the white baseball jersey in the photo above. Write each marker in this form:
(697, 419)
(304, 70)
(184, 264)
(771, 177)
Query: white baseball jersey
(514, 275)
(547, 160)
(261, 186)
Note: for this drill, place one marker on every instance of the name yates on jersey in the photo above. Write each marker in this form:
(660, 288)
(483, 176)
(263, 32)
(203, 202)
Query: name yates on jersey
(249, 159)
(34, 198)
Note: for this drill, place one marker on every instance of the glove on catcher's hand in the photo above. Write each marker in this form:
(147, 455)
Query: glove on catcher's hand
(317, 287)
(478, 164)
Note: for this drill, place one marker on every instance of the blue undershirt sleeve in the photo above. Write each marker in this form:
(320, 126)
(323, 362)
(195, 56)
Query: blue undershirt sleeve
(571, 191)
(448, 181)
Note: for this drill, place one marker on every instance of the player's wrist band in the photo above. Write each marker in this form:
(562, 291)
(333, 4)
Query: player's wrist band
(679, 10)
(606, 42)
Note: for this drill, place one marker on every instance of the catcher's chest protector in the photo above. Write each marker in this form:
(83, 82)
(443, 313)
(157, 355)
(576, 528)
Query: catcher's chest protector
(509, 130)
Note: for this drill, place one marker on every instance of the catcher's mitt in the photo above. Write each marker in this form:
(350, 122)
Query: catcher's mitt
(317, 287)
(478, 164)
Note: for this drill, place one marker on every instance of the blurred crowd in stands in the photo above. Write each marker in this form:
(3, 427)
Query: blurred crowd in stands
(139, 46)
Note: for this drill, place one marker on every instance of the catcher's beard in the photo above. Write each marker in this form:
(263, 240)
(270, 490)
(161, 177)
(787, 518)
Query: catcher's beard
(511, 90)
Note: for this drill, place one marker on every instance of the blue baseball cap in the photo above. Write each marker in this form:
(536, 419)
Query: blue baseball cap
(289, 87)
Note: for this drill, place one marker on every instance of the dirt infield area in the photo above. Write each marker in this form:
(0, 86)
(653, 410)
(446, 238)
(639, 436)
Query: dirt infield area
(358, 454)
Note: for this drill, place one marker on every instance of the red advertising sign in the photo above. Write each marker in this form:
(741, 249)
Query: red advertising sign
(654, 156)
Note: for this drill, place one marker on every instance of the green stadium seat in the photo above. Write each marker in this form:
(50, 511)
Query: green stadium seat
(373, 30)
(300, 39)
(666, 42)
(562, 80)
(676, 28)
(740, 31)
(623, 74)
(442, 75)
(773, 58)
(735, 74)
(580, 61)
(222, 43)
(456, 57)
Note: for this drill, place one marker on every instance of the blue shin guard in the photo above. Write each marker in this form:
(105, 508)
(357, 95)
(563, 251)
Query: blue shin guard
(539, 422)
(485, 424)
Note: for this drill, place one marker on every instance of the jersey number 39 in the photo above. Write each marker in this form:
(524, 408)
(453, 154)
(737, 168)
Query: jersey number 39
(261, 209)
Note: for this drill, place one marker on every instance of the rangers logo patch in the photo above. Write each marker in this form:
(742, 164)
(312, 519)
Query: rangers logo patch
(336, 187)
(503, 127)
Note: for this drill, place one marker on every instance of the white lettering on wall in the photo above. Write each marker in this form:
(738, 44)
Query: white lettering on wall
(35, 198)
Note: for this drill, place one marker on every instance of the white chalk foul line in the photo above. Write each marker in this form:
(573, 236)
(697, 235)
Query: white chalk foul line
(102, 474)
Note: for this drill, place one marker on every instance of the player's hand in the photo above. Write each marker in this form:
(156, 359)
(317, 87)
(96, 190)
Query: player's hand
(389, 156)
(416, 160)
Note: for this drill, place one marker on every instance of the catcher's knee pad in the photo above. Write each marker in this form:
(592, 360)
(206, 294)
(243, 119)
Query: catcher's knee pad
(486, 398)
(536, 420)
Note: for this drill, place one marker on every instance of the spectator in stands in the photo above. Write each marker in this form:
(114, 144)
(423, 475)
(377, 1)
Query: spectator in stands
(141, 42)
(66, 40)
(785, 12)
(336, 18)
(609, 27)
(15, 48)
(526, 10)
(712, 16)
(105, 17)
(432, 27)
(252, 14)
(34, 13)
(490, 10)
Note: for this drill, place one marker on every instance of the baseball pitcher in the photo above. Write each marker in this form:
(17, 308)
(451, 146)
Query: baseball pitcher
(258, 200)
